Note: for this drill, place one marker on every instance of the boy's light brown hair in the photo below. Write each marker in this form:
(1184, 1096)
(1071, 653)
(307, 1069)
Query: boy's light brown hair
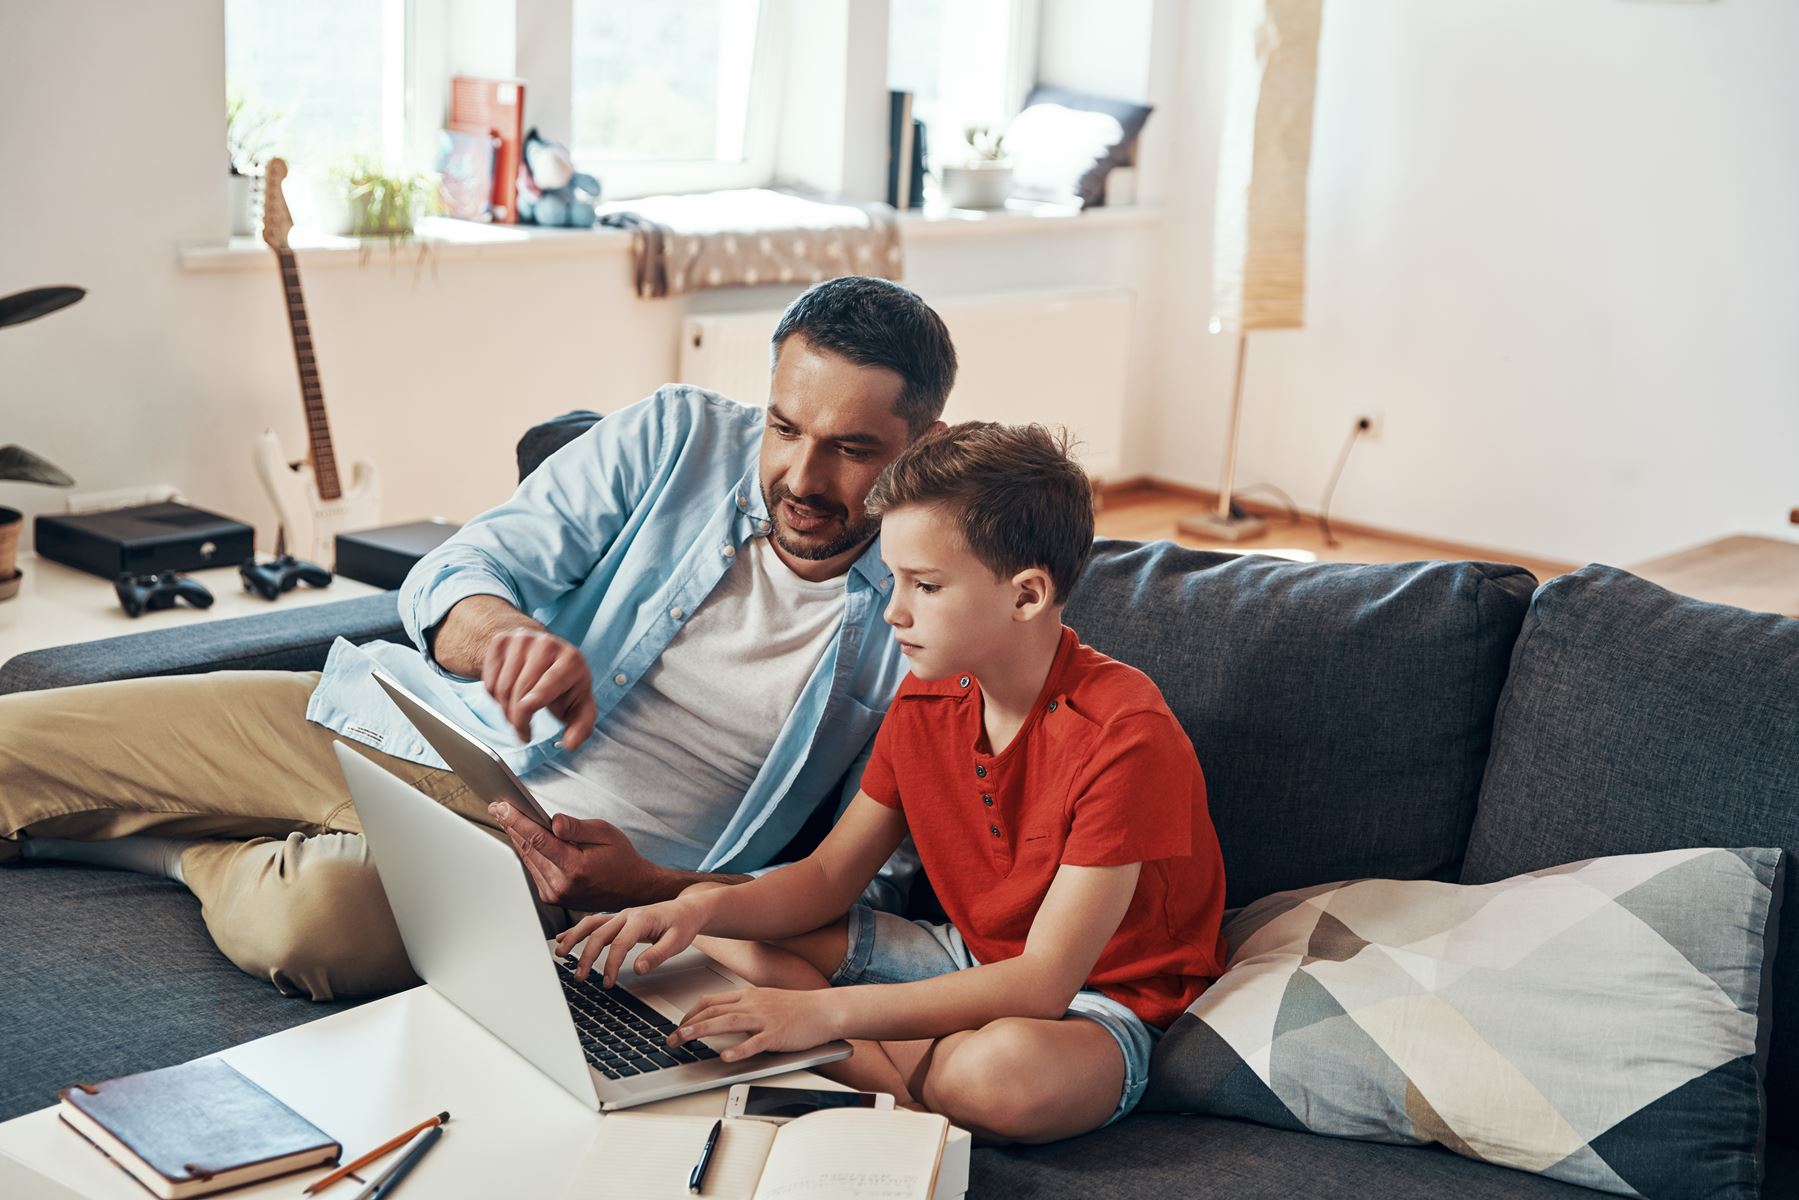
(1013, 491)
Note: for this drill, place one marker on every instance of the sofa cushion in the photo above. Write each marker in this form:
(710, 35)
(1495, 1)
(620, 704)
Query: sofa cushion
(105, 973)
(1164, 1157)
(1637, 720)
(293, 639)
(544, 439)
(1599, 1022)
(1340, 712)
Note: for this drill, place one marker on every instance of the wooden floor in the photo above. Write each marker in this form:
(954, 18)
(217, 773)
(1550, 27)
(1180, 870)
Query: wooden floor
(1145, 511)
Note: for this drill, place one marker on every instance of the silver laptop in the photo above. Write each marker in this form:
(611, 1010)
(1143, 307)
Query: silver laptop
(466, 913)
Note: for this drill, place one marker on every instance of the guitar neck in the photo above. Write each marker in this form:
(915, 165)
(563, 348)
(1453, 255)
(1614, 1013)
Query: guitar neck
(318, 429)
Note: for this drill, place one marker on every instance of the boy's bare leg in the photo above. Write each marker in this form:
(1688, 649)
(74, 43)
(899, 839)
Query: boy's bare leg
(1018, 1079)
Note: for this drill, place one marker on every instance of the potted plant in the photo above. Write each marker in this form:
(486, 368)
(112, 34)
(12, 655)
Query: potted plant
(386, 205)
(16, 462)
(984, 178)
(250, 138)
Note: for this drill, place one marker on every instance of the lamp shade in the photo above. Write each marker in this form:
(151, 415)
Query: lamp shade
(1259, 255)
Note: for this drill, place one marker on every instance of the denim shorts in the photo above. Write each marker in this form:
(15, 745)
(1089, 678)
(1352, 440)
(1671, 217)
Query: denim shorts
(884, 948)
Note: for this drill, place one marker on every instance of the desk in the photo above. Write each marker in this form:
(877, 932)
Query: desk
(365, 1074)
(58, 605)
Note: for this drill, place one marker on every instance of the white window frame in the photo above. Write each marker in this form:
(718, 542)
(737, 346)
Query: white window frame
(544, 46)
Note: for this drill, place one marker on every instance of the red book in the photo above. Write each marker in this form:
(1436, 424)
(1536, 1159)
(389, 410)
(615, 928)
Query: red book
(497, 105)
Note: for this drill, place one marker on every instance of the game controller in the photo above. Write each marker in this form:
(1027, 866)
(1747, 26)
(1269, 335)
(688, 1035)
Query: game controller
(270, 579)
(139, 594)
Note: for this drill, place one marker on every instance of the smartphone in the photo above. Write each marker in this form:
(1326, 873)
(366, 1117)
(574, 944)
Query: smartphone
(760, 1102)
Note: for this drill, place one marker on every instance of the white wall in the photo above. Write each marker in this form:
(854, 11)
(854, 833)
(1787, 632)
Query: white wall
(1553, 242)
(162, 375)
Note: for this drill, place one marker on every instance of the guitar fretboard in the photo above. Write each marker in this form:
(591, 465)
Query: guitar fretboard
(318, 430)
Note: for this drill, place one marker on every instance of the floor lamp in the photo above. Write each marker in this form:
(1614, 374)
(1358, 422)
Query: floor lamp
(1259, 252)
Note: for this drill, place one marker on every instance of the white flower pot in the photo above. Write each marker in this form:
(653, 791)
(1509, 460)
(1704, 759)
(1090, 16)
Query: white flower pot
(977, 184)
(246, 205)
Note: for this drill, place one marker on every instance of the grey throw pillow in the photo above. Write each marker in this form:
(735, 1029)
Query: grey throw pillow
(1064, 143)
(1601, 1023)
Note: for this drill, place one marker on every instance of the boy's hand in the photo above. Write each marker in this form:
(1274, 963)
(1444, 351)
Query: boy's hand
(775, 1019)
(670, 927)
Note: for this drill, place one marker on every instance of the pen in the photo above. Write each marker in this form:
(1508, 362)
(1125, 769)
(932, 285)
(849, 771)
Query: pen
(390, 1179)
(377, 1152)
(698, 1179)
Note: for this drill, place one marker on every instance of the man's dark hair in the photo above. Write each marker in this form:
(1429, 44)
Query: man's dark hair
(877, 323)
(1017, 496)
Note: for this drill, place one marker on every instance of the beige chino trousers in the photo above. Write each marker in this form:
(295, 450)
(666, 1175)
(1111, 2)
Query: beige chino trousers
(224, 757)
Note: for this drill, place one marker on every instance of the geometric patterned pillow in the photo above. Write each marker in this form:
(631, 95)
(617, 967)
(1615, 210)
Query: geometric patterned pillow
(1599, 1023)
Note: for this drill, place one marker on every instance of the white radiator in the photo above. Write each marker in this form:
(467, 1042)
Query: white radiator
(1057, 358)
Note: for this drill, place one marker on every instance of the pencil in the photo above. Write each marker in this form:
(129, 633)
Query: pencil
(372, 1155)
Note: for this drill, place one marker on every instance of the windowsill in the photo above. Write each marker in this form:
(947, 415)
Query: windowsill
(1020, 216)
(469, 239)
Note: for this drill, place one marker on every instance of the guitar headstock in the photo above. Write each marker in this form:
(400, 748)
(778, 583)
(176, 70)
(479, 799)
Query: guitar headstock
(276, 220)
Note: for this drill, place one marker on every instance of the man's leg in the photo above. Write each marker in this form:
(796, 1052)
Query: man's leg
(228, 755)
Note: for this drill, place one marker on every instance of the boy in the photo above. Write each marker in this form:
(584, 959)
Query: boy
(1055, 802)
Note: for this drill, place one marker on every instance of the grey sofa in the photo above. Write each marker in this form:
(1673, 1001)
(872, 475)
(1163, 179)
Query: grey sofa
(1449, 721)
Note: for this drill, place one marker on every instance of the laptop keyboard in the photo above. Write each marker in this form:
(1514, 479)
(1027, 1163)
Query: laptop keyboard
(620, 1034)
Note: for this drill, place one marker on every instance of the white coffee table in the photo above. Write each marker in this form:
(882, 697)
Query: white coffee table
(58, 605)
(365, 1074)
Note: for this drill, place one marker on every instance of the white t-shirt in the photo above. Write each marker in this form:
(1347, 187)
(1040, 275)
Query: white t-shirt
(671, 763)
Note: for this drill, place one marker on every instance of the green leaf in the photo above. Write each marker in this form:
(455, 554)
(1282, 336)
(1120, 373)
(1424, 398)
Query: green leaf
(18, 463)
(20, 307)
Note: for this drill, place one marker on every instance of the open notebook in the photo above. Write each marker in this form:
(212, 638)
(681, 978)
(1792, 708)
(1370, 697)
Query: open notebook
(846, 1153)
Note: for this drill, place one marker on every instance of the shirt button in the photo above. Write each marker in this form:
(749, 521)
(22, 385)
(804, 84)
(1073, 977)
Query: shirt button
(995, 829)
(730, 552)
(980, 770)
(742, 500)
(962, 682)
(676, 613)
(883, 585)
(987, 800)
(1052, 706)
(619, 679)
(762, 525)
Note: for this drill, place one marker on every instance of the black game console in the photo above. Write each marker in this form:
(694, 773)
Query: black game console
(145, 539)
(381, 557)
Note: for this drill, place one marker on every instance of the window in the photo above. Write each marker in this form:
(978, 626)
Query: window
(966, 62)
(325, 72)
(671, 97)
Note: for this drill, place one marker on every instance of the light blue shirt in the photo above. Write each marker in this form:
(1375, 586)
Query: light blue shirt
(615, 540)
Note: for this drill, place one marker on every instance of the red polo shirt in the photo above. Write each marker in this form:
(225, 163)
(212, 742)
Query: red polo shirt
(1100, 774)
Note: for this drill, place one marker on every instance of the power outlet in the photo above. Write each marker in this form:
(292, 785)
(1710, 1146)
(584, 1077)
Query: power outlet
(1371, 424)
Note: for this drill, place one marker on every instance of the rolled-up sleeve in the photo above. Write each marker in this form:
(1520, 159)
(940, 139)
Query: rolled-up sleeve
(545, 541)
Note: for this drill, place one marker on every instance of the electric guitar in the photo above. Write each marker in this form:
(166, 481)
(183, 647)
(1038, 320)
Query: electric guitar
(311, 501)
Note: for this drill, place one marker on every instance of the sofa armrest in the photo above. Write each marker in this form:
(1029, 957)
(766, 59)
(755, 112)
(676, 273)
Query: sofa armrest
(295, 640)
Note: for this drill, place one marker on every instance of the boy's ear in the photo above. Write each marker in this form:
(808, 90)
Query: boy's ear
(1032, 593)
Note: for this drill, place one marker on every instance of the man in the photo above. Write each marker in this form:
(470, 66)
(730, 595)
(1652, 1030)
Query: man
(672, 631)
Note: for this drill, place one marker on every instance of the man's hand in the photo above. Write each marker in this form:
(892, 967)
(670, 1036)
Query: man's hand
(775, 1019)
(528, 668)
(589, 865)
(670, 927)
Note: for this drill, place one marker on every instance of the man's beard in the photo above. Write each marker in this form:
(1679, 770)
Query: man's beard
(854, 532)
